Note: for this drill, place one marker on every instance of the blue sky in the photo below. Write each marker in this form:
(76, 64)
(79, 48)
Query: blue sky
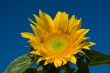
(13, 20)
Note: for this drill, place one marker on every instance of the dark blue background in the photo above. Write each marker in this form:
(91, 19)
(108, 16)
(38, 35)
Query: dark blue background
(13, 21)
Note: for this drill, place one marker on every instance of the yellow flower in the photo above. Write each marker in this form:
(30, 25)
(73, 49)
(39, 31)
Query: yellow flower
(57, 40)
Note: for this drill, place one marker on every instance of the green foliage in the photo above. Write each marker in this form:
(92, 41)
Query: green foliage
(98, 58)
(30, 70)
(92, 58)
(19, 65)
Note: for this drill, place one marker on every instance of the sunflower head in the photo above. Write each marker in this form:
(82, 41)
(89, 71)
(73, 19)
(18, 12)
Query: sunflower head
(57, 40)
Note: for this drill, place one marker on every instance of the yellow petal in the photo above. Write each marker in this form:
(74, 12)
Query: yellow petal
(37, 32)
(78, 23)
(80, 34)
(35, 52)
(39, 46)
(64, 61)
(91, 43)
(74, 25)
(82, 46)
(35, 44)
(64, 22)
(32, 21)
(57, 62)
(50, 22)
(48, 60)
(71, 23)
(75, 50)
(88, 45)
(33, 28)
(57, 20)
(43, 51)
(73, 59)
(44, 19)
(29, 36)
(86, 38)
(40, 22)
(40, 59)
(45, 63)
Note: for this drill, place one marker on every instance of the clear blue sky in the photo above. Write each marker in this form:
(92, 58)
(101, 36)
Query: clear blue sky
(13, 20)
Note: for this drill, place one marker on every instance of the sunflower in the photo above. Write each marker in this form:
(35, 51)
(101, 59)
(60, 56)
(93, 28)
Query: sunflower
(57, 40)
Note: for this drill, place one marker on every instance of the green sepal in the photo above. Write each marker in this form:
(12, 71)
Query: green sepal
(82, 66)
(68, 69)
(19, 65)
(50, 68)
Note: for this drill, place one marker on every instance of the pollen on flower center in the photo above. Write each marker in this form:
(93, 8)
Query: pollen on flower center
(57, 44)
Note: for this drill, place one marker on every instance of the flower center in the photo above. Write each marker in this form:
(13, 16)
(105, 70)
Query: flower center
(57, 44)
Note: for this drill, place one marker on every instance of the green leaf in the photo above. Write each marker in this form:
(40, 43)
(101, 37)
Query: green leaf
(97, 58)
(41, 71)
(31, 70)
(34, 70)
(19, 65)
(38, 69)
